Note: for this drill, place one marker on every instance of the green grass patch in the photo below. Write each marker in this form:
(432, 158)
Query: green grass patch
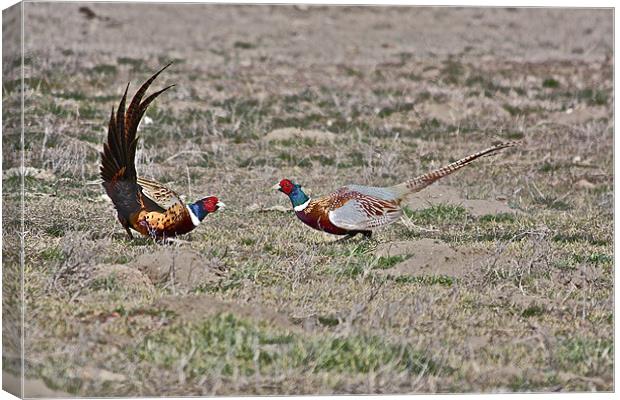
(105, 69)
(390, 261)
(350, 71)
(593, 258)
(248, 241)
(550, 167)
(14, 85)
(326, 320)
(533, 310)
(358, 259)
(513, 135)
(243, 45)
(257, 272)
(296, 142)
(564, 264)
(228, 345)
(587, 356)
(577, 237)
(593, 97)
(424, 96)
(452, 71)
(107, 283)
(52, 254)
(590, 96)
(550, 83)
(489, 88)
(351, 269)
(429, 128)
(307, 121)
(438, 214)
(291, 159)
(354, 159)
(498, 218)
(553, 203)
(401, 107)
(515, 111)
(72, 95)
(135, 63)
(56, 230)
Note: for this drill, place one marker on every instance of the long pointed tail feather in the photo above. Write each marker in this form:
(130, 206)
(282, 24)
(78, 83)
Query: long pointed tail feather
(418, 183)
(118, 156)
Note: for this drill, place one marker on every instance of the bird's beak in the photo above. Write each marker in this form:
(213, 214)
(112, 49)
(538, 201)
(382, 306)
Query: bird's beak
(276, 186)
(220, 204)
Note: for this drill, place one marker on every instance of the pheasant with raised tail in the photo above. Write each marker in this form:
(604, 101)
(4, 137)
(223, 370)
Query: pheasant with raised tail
(143, 205)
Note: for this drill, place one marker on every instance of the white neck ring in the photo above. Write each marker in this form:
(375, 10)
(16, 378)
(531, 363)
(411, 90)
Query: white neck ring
(193, 216)
(302, 207)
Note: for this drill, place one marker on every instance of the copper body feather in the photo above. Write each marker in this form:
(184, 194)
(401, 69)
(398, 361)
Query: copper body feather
(348, 210)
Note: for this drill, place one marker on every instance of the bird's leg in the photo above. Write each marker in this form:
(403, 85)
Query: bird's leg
(367, 234)
(347, 237)
(125, 223)
(176, 241)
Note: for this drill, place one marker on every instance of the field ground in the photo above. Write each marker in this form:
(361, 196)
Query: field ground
(499, 278)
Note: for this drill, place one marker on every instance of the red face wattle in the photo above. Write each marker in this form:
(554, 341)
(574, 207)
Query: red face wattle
(286, 186)
(210, 204)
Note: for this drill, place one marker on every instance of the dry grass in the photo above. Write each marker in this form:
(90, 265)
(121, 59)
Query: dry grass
(282, 309)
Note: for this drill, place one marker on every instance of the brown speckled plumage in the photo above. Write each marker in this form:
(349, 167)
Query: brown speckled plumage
(143, 205)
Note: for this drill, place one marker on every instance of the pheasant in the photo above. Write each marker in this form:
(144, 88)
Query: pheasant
(355, 209)
(143, 205)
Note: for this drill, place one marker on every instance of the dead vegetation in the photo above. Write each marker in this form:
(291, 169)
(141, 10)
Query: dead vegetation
(499, 278)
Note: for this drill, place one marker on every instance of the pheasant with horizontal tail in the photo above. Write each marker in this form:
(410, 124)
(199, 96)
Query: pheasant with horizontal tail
(143, 205)
(355, 209)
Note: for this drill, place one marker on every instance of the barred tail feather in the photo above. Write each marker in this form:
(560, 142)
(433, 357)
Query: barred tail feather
(418, 183)
(118, 156)
(118, 169)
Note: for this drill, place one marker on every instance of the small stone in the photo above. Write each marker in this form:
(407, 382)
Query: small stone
(584, 184)
(101, 375)
(296, 133)
(253, 207)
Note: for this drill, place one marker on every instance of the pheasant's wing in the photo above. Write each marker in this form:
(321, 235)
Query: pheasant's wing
(160, 194)
(363, 212)
(383, 193)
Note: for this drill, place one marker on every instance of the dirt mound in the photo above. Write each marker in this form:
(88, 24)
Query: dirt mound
(128, 279)
(453, 111)
(578, 115)
(296, 133)
(178, 269)
(438, 194)
(36, 173)
(198, 307)
(32, 387)
(430, 257)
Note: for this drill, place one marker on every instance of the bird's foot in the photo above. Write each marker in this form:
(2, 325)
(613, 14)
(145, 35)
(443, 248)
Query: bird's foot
(348, 237)
(175, 241)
